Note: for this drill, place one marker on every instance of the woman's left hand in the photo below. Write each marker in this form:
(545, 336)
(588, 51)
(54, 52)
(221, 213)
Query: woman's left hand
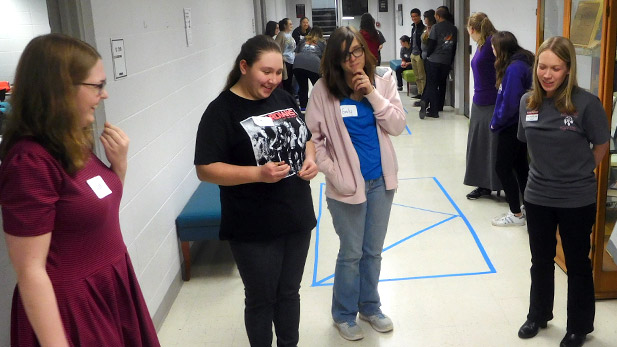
(362, 83)
(309, 170)
(116, 145)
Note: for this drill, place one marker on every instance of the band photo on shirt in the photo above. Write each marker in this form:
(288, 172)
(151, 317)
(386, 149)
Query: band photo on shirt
(278, 136)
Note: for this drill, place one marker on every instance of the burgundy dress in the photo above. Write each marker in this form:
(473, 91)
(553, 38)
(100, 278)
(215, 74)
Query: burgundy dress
(98, 296)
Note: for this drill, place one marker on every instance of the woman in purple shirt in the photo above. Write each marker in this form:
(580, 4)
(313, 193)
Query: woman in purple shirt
(481, 142)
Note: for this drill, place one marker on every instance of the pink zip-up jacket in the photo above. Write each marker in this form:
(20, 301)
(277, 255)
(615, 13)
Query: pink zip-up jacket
(336, 155)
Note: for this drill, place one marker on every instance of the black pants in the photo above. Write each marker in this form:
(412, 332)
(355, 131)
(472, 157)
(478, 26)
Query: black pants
(511, 166)
(399, 74)
(303, 76)
(434, 94)
(575, 228)
(288, 83)
(271, 272)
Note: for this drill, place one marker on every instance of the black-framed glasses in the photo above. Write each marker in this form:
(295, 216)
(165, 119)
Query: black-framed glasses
(99, 86)
(356, 52)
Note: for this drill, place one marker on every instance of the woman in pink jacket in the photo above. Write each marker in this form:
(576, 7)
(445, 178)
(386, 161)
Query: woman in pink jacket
(353, 110)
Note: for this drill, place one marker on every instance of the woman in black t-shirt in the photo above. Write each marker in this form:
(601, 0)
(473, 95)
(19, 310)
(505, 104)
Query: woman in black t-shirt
(252, 141)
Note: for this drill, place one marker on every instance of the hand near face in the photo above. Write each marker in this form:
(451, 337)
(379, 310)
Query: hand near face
(309, 170)
(116, 144)
(362, 83)
(273, 172)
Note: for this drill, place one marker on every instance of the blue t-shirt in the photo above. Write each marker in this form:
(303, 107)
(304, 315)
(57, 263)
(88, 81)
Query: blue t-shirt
(362, 129)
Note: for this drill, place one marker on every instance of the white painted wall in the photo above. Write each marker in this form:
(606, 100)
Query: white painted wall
(20, 21)
(159, 105)
(275, 10)
(291, 11)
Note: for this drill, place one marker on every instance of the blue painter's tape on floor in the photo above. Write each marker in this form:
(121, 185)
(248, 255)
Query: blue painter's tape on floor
(327, 280)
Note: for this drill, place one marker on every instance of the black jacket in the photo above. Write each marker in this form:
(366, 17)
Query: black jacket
(418, 33)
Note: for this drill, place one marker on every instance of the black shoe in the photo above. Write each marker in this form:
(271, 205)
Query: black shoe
(573, 340)
(419, 96)
(530, 329)
(422, 109)
(432, 115)
(400, 89)
(478, 192)
(416, 104)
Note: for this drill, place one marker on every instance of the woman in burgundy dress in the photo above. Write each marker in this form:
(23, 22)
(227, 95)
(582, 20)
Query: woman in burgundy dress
(60, 206)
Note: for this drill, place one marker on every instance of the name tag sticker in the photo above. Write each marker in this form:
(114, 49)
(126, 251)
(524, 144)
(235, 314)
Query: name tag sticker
(99, 187)
(349, 111)
(263, 121)
(532, 117)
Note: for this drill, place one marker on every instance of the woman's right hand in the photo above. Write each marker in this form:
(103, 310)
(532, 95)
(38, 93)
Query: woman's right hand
(273, 172)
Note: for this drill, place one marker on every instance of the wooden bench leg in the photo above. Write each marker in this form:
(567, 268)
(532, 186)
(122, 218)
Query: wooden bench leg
(186, 253)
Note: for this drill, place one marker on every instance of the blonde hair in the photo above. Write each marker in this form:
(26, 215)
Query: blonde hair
(44, 104)
(564, 50)
(479, 22)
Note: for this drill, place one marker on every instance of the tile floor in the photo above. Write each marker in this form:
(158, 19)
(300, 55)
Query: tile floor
(449, 278)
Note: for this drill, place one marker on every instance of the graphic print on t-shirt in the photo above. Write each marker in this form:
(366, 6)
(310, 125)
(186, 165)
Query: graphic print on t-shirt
(278, 136)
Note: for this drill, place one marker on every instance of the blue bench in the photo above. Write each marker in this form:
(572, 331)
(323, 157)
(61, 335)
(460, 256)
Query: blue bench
(200, 219)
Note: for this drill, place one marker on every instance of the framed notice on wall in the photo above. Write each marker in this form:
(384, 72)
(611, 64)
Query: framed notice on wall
(586, 23)
(383, 5)
(300, 9)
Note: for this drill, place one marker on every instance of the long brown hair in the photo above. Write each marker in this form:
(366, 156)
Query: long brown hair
(564, 50)
(479, 22)
(506, 46)
(43, 104)
(331, 69)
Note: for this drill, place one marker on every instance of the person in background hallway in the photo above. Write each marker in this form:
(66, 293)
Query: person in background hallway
(307, 62)
(429, 21)
(272, 29)
(566, 131)
(417, 63)
(405, 61)
(253, 143)
(353, 110)
(370, 34)
(440, 54)
(75, 281)
(301, 31)
(513, 67)
(481, 142)
(288, 47)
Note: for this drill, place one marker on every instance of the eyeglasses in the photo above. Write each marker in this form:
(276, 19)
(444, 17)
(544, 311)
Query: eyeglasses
(99, 86)
(356, 52)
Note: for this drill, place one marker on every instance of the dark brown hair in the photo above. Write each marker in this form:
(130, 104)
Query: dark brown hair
(331, 69)
(506, 46)
(250, 52)
(43, 104)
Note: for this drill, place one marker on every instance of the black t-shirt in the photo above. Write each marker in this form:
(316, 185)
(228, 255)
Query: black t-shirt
(244, 132)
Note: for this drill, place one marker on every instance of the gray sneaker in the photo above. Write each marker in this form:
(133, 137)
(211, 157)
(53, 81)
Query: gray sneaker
(379, 322)
(349, 331)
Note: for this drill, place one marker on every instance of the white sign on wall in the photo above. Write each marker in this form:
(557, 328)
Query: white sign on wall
(118, 58)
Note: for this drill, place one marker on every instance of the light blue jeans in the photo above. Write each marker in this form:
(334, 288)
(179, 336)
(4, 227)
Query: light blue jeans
(361, 229)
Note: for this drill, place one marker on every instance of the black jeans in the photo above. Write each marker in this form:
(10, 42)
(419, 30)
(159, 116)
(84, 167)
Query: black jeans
(575, 228)
(288, 83)
(434, 94)
(511, 166)
(399, 74)
(271, 272)
(303, 76)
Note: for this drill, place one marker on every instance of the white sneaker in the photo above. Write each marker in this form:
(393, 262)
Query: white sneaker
(349, 331)
(509, 220)
(379, 322)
